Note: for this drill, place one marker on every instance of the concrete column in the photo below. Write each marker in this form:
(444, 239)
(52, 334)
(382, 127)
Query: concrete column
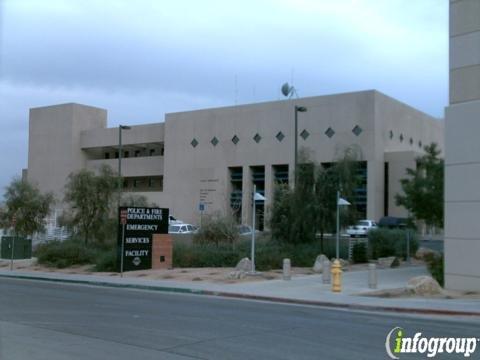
(375, 182)
(372, 276)
(247, 189)
(268, 194)
(287, 269)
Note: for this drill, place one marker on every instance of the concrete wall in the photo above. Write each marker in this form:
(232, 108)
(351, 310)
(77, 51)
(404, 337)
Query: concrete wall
(54, 143)
(194, 174)
(189, 170)
(462, 162)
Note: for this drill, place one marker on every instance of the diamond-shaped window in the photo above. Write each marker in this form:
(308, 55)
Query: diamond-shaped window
(411, 141)
(304, 134)
(329, 132)
(419, 144)
(214, 141)
(357, 130)
(194, 143)
(391, 134)
(257, 138)
(280, 136)
(235, 139)
(401, 138)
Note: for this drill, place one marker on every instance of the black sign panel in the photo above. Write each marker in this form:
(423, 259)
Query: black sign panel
(136, 232)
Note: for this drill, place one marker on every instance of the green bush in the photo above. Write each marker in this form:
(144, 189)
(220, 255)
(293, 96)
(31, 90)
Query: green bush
(359, 253)
(106, 261)
(269, 254)
(62, 254)
(435, 265)
(391, 242)
(217, 230)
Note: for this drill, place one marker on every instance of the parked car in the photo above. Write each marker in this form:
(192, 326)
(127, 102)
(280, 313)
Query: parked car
(246, 230)
(181, 229)
(392, 222)
(361, 228)
(172, 220)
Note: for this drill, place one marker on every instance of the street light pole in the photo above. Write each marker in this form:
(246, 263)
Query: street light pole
(295, 133)
(119, 184)
(340, 202)
(338, 227)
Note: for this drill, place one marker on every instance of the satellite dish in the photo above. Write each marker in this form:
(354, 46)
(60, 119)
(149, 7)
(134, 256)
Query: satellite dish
(286, 89)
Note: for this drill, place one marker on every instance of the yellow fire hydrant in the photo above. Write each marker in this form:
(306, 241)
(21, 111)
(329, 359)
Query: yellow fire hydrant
(336, 276)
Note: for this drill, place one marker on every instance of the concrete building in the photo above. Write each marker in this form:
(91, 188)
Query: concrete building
(462, 155)
(215, 156)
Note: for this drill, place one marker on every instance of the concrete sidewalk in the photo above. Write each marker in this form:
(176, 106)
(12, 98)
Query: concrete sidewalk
(301, 290)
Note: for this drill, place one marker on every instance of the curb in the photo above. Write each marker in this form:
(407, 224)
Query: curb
(280, 300)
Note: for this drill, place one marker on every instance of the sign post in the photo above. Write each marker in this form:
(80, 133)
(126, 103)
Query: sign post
(123, 220)
(14, 223)
(201, 208)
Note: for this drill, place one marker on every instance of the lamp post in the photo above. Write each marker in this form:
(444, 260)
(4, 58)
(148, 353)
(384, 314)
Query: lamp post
(289, 91)
(119, 184)
(256, 197)
(340, 202)
(295, 133)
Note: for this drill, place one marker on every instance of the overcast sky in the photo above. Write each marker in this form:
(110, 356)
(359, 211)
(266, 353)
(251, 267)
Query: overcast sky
(142, 58)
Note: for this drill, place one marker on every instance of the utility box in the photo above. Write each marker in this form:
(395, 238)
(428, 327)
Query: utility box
(22, 248)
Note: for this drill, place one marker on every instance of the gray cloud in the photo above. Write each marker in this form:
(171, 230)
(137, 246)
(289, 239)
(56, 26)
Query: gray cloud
(144, 58)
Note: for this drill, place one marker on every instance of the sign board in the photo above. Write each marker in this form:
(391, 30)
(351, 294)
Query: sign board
(139, 225)
(201, 207)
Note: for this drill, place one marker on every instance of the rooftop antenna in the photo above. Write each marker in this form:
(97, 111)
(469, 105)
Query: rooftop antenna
(289, 91)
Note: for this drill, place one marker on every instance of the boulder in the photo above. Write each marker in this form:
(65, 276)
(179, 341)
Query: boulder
(386, 262)
(236, 275)
(395, 263)
(318, 265)
(244, 265)
(424, 286)
(423, 252)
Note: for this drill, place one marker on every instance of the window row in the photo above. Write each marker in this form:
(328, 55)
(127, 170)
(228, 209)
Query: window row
(304, 134)
(391, 135)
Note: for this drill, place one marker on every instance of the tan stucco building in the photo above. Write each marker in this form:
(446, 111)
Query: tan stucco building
(462, 153)
(214, 156)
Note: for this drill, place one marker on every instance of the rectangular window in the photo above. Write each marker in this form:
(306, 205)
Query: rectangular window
(107, 155)
(152, 152)
(137, 153)
(126, 154)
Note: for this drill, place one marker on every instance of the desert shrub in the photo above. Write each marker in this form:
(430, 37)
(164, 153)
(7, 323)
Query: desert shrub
(359, 253)
(217, 229)
(106, 260)
(63, 254)
(391, 242)
(269, 254)
(435, 265)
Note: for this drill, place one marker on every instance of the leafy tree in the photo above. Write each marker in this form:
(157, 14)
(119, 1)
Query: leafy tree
(423, 189)
(339, 176)
(280, 218)
(299, 214)
(29, 206)
(90, 198)
(136, 201)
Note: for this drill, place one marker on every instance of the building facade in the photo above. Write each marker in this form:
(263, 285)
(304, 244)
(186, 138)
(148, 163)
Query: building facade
(462, 155)
(214, 157)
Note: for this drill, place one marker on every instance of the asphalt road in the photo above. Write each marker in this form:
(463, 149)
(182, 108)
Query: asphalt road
(41, 320)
